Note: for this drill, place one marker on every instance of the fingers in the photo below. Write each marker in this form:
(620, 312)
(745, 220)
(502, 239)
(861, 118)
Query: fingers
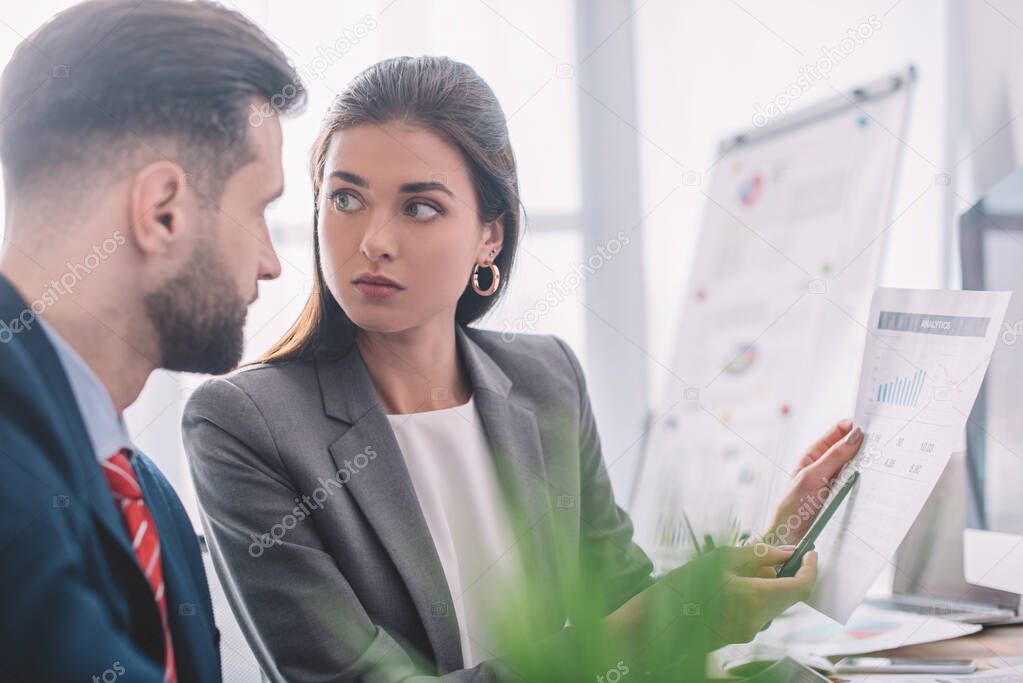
(801, 585)
(807, 574)
(829, 464)
(822, 445)
(749, 602)
(795, 588)
(780, 594)
(749, 560)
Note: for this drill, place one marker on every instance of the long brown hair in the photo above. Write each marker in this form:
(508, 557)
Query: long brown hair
(447, 98)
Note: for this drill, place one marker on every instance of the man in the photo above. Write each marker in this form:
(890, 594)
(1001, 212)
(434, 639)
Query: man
(140, 147)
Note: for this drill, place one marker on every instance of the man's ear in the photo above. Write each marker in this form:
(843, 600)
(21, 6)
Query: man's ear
(493, 234)
(157, 204)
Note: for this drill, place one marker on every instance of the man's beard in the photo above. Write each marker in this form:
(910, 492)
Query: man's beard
(198, 315)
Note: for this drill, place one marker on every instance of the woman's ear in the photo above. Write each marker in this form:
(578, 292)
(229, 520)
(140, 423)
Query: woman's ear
(157, 205)
(493, 240)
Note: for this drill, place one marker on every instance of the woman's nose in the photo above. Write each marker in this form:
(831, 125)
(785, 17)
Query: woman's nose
(379, 241)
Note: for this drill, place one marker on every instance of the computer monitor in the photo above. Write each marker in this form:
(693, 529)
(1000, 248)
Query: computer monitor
(991, 244)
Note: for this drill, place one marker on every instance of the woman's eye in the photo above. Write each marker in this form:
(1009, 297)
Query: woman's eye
(421, 211)
(345, 201)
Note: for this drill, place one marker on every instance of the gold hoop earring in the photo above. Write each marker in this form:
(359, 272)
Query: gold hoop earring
(495, 280)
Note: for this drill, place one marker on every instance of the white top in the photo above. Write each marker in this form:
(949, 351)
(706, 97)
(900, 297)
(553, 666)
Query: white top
(452, 470)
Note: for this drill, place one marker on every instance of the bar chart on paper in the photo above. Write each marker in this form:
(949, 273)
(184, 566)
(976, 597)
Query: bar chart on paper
(902, 391)
(920, 371)
(925, 357)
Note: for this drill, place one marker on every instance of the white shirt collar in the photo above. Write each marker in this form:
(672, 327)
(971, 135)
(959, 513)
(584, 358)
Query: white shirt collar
(106, 428)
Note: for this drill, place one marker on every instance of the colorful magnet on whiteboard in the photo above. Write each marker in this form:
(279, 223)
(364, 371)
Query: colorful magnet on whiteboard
(750, 190)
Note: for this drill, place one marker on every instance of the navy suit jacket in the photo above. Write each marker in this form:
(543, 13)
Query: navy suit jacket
(76, 605)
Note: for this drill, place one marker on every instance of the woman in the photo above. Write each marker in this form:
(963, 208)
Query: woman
(387, 478)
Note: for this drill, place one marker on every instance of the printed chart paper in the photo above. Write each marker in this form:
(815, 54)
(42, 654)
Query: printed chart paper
(923, 363)
(803, 631)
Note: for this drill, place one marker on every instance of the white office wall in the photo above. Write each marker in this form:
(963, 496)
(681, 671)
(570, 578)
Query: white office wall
(992, 44)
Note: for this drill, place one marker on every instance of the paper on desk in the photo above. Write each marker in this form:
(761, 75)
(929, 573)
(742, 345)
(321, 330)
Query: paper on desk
(994, 676)
(802, 632)
(925, 356)
(900, 678)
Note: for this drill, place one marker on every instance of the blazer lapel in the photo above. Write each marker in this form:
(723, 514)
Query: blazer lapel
(191, 630)
(517, 450)
(82, 462)
(384, 491)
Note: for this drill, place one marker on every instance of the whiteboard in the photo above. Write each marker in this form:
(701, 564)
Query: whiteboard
(772, 326)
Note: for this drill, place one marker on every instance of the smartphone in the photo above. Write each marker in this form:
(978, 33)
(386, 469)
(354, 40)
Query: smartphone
(904, 665)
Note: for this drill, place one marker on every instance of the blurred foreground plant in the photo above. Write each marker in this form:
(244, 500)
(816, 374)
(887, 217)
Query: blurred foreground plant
(662, 631)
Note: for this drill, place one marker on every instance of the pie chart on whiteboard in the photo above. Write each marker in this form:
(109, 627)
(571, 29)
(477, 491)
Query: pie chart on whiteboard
(744, 355)
(751, 189)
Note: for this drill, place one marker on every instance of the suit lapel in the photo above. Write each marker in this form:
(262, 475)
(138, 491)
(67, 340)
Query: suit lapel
(191, 629)
(384, 491)
(84, 467)
(517, 451)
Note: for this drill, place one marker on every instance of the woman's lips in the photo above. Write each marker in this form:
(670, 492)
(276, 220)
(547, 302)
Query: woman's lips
(376, 291)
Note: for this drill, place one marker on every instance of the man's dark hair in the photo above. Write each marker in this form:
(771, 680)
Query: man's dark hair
(113, 80)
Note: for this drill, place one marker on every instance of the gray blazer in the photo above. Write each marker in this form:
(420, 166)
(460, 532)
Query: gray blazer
(318, 537)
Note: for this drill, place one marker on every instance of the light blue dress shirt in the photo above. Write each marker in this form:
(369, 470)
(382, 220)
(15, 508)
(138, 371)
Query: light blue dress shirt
(106, 428)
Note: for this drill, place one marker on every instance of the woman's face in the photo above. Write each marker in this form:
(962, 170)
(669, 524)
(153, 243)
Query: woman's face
(397, 201)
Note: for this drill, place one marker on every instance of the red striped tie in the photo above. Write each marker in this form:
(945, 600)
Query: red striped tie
(144, 539)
